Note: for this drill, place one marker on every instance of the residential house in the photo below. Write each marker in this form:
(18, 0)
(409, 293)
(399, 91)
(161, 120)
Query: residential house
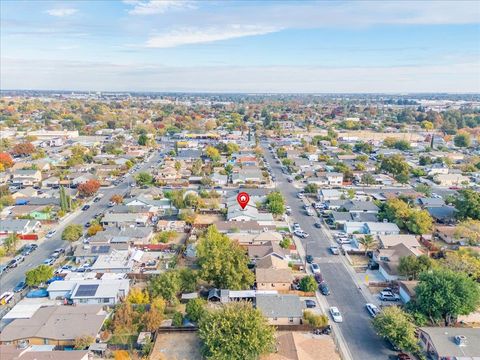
(90, 292)
(450, 342)
(443, 214)
(273, 279)
(125, 219)
(56, 325)
(447, 234)
(26, 177)
(115, 262)
(256, 252)
(41, 352)
(389, 259)
(19, 226)
(280, 309)
(371, 228)
(256, 239)
(329, 194)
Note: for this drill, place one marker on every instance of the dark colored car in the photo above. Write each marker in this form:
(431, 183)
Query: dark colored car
(372, 265)
(87, 224)
(324, 289)
(85, 207)
(309, 259)
(310, 304)
(318, 278)
(97, 199)
(20, 287)
(317, 225)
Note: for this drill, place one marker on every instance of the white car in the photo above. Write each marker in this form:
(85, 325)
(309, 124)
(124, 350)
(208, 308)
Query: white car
(344, 240)
(315, 268)
(372, 309)
(336, 316)
(50, 234)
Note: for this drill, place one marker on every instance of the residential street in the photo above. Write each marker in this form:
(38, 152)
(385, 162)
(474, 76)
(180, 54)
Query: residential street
(14, 276)
(356, 328)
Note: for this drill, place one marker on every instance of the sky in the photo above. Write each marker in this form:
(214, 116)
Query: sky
(241, 46)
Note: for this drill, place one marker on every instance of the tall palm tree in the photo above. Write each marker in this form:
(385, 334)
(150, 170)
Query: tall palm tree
(368, 242)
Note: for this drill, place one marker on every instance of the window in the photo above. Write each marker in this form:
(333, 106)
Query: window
(106, 300)
(290, 320)
(275, 319)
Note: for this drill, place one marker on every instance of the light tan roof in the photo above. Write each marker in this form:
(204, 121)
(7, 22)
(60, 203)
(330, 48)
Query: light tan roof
(272, 262)
(57, 323)
(410, 241)
(274, 275)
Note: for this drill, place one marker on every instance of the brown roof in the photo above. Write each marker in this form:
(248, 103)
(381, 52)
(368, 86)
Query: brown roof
(274, 275)
(57, 323)
(260, 251)
(409, 286)
(271, 262)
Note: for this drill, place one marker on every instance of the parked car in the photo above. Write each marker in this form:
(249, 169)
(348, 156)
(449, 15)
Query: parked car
(97, 199)
(20, 287)
(15, 261)
(372, 265)
(372, 309)
(389, 296)
(324, 289)
(318, 278)
(85, 207)
(334, 250)
(318, 225)
(309, 259)
(49, 261)
(87, 224)
(50, 233)
(310, 304)
(336, 315)
(344, 240)
(315, 268)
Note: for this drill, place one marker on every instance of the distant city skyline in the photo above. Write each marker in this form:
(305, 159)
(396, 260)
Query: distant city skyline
(241, 46)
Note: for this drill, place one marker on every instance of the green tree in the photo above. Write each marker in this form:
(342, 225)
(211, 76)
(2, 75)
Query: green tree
(467, 204)
(368, 242)
(177, 319)
(395, 165)
(72, 232)
(83, 342)
(396, 326)
(311, 189)
(144, 178)
(38, 275)
(469, 230)
(188, 279)
(462, 140)
(316, 320)
(10, 243)
(167, 285)
(419, 222)
(212, 153)
(368, 179)
(196, 309)
(143, 139)
(424, 189)
(275, 203)
(412, 266)
(236, 332)
(223, 261)
(308, 284)
(466, 261)
(442, 295)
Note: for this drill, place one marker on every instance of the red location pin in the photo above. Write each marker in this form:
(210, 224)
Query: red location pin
(243, 198)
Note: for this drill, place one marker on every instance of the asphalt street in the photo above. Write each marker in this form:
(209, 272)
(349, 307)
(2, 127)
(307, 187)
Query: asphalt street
(46, 247)
(356, 327)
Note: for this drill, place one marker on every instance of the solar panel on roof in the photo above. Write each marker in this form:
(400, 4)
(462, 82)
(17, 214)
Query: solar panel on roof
(86, 290)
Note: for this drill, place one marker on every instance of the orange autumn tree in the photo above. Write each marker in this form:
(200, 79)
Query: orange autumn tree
(89, 188)
(6, 160)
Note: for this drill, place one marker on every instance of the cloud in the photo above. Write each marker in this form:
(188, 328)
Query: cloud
(152, 7)
(61, 12)
(189, 36)
(83, 75)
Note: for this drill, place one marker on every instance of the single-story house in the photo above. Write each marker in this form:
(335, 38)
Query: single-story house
(273, 279)
(56, 325)
(280, 309)
(450, 342)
